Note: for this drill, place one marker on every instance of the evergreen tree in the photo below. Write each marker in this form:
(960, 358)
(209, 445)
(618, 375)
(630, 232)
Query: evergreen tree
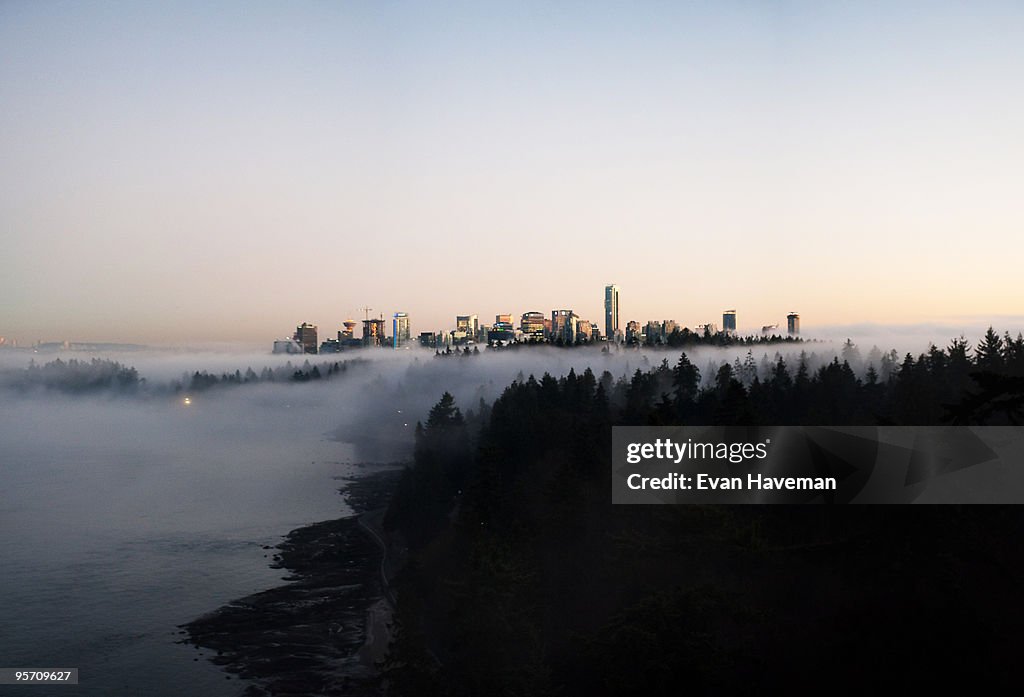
(989, 355)
(686, 381)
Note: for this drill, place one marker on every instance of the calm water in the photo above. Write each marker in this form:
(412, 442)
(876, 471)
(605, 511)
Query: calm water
(121, 519)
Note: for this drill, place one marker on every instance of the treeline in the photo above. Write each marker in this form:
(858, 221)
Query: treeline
(677, 338)
(75, 377)
(684, 338)
(203, 380)
(523, 579)
(954, 385)
(457, 351)
(101, 375)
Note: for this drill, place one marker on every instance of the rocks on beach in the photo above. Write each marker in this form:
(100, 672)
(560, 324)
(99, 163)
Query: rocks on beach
(322, 632)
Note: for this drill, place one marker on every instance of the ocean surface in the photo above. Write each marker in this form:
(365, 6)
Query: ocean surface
(122, 518)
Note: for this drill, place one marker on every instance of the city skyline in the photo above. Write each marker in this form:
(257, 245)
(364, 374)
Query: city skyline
(187, 173)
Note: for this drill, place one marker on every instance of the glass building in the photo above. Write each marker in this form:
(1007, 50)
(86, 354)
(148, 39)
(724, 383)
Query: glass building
(611, 312)
(400, 330)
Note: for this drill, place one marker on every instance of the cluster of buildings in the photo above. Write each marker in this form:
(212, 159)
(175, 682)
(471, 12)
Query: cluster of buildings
(306, 336)
(563, 327)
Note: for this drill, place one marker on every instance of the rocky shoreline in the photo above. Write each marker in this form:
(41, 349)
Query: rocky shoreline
(324, 631)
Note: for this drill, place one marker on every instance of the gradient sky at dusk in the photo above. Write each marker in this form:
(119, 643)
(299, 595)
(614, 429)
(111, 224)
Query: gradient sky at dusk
(176, 172)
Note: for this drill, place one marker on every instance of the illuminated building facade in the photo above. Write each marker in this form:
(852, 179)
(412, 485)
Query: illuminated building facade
(400, 333)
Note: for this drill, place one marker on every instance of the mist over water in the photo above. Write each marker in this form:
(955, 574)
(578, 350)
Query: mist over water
(122, 518)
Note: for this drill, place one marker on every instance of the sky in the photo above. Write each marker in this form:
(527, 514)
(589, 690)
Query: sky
(184, 172)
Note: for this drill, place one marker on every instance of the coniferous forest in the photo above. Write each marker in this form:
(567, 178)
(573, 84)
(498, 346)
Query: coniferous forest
(523, 579)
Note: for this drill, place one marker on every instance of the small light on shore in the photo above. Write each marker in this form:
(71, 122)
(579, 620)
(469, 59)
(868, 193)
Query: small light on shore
(187, 401)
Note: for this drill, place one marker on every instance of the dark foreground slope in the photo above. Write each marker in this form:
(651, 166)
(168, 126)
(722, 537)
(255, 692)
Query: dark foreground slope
(525, 580)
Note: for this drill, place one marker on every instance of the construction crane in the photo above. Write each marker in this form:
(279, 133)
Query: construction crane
(366, 312)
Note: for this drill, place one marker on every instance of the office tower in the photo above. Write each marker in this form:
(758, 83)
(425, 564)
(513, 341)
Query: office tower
(373, 332)
(469, 325)
(633, 335)
(729, 321)
(793, 324)
(653, 332)
(611, 312)
(400, 330)
(532, 325)
(585, 330)
(564, 325)
(502, 332)
(305, 334)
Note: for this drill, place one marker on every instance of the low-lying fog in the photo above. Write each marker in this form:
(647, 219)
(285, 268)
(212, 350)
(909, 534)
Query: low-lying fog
(373, 403)
(411, 380)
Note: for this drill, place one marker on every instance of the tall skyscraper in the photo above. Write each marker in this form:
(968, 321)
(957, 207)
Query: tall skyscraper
(793, 324)
(729, 321)
(400, 330)
(305, 334)
(611, 312)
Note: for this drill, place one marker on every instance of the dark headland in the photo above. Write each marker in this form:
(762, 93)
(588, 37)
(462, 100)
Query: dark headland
(324, 631)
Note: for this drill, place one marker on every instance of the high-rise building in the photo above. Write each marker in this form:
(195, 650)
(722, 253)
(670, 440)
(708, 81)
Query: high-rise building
(305, 334)
(793, 324)
(633, 335)
(653, 332)
(611, 312)
(373, 332)
(503, 319)
(532, 325)
(585, 330)
(400, 330)
(564, 325)
(502, 332)
(729, 321)
(469, 325)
